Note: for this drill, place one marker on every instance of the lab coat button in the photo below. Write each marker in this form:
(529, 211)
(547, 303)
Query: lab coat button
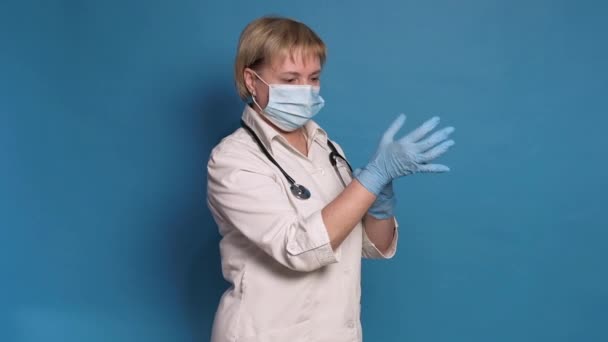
(350, 324)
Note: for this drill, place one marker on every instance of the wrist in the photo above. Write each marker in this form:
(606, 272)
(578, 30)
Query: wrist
(371, 180)
(384, 205)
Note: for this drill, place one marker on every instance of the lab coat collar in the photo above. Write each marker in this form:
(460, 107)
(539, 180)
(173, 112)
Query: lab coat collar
(268, 134)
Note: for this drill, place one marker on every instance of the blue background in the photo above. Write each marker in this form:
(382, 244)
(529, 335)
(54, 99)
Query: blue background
(109, 110)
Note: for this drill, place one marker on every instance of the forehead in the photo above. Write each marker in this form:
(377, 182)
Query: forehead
(295, 60)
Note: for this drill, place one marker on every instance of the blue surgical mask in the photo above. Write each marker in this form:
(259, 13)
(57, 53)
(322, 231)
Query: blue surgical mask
(291, 106)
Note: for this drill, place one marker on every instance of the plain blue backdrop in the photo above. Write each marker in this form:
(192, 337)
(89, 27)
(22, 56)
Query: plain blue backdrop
(109, 110)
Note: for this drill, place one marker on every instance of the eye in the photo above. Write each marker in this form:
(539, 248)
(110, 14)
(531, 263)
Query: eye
(316, 79)
(289, 80)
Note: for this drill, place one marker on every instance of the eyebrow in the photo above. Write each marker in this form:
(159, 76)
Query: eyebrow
(294, 73)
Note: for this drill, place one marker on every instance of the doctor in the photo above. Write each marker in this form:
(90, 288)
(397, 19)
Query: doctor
(295, 222)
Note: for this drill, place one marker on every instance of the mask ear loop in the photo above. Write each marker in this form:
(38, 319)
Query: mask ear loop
(258, 76)
(256, 103)
(253, 95)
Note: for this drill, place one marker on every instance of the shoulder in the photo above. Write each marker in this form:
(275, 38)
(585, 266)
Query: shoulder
(236, 151)
(337, 146)
(232, 143)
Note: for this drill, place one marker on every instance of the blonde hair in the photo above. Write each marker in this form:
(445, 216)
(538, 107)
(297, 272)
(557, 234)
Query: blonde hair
(266, 38)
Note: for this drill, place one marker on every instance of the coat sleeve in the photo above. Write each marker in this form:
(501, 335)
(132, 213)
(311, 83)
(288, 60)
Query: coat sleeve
(246, 196)
(369, 250)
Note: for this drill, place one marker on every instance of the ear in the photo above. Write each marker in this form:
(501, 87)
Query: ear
(249, 78)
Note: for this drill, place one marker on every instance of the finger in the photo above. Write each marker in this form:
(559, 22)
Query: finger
(437, 150)
(421, 131)
(435, 139)
(433, 168)
(389, 135)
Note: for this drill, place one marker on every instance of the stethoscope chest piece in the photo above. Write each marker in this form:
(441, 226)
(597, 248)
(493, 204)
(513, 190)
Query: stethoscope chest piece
(300, 191)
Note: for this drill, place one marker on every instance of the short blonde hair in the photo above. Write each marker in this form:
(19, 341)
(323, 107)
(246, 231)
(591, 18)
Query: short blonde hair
(268, 37)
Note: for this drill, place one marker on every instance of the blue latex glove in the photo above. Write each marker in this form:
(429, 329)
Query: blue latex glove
(408, 155)
(384, 205)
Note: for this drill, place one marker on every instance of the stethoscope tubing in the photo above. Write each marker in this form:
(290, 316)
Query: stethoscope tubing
(298, 190)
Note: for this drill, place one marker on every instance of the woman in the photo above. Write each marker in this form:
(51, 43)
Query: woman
(293, 252)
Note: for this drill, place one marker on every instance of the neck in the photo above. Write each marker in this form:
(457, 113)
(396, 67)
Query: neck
(297, 139)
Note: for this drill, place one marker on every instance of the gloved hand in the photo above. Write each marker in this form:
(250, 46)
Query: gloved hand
(408, 155)
(384, 205)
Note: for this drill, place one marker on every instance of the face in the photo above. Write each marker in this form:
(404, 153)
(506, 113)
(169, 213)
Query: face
(300, 69)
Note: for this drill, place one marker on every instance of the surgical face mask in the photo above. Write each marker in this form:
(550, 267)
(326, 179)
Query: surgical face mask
(291, 106)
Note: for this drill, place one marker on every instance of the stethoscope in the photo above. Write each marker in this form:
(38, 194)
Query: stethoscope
(298, 190)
